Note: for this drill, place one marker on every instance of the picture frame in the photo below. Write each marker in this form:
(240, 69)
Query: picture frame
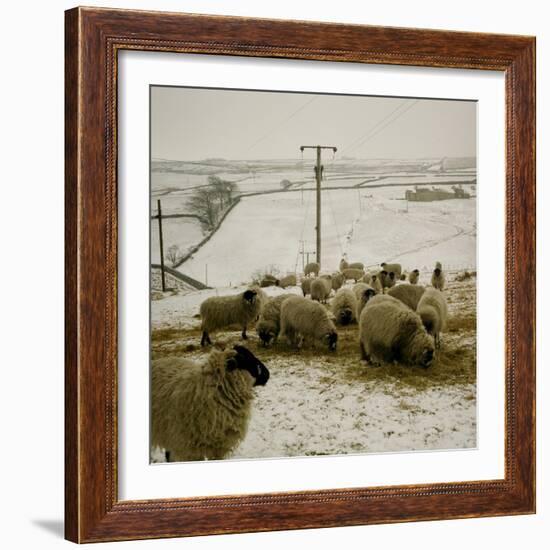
(93, 511)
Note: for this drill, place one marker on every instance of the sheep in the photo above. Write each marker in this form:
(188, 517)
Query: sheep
(320, 289)
(351, 273)
(432, 309)
(222, 311)
(387, 279)
(396, 268)
(408, 294)
(344, 306)
(413, 276)
(289, 280)
(337, 281)
(312, 267)
(307, 320)
(306, 286)
(200, 410)
(373, 280)
(363, 293)
(390, 331)
(268, 325)
(438, 277)
(268, 281)
(354, 265)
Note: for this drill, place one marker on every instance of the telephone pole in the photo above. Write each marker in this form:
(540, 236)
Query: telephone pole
(318, 176)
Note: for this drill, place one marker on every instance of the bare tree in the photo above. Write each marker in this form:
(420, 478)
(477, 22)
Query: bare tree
(173, 255)
(203, 203)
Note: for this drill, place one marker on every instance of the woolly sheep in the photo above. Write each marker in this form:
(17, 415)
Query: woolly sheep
(389, 331)
(289, 280)
(408, 294)
(373, 280)
(344, 306)
(268, 281)
(363, 293)
(223, 311)
(320, 289)
(201, 410)
(269, 322)
(387, 279)
(438, 277)
(413, 276)
(337, 281)
(432, 309)
(351, 273)
(312, 267)
(396, 268)
(306, 286)
(307, 320)
(353, 265)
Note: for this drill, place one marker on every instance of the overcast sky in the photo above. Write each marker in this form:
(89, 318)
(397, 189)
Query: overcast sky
(194, 124)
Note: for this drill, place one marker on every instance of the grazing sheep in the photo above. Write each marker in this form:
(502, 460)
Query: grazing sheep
(373, 279)
(289, 280)
(269, 322)
(351, 273)
(408, 294)
(320, 289)
(223, 311)
(201, 410)
(268, 281)
(353, 265)
(413, 276)
(312, 267)
(337, 281)
(306, 286)
(344, 306)
(326, 276)
(303, 319)
(363, 293)
(438, 277)
(396, 268)
(343, 264)
(389, 331)
(432, 309)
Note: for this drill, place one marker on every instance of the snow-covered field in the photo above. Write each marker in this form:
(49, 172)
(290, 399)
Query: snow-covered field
(319, 403)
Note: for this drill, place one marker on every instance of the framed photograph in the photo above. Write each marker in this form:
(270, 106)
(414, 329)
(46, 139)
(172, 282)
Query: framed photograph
(300, 275)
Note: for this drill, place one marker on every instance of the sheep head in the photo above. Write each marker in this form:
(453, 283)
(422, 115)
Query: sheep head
(246, 360)
(250, 296)
(331, 338)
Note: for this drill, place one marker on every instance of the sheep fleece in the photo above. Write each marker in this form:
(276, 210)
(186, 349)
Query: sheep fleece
(390, 331)
(408, 294)
(320, 289)
(199, 410)
(222, 311)
(344, 302)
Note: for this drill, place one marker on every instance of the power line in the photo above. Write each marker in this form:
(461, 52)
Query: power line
(278, 126)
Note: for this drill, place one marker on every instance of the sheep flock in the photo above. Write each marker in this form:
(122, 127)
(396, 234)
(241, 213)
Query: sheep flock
(364, 323)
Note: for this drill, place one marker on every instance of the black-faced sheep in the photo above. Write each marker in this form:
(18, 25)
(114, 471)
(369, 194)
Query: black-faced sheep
(432, 309)
(303, 319)
(344, 306)
(289, 280)
(312, 267)
(414, 276)
(351, 273)
(337, 281)
(201, 410)
(389, 331)
(363, 293)
(223, 311)
(320, 289)
(387, 279)
(408, 294)
(396, 268)
(373, 280)
(438, 277)
(269, 323)
(306, 286)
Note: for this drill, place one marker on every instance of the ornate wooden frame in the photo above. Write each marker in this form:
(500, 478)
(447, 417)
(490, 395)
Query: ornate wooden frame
(93, 39)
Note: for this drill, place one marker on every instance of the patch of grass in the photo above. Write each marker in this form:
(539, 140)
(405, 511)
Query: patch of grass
(462, 323)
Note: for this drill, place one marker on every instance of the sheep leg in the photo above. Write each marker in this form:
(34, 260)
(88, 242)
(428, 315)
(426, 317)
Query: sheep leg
(243, 333)
(167, 456)
(364, 354)
(205, 340)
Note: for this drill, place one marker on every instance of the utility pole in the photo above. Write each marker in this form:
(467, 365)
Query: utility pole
(161, 247)
(318, 176)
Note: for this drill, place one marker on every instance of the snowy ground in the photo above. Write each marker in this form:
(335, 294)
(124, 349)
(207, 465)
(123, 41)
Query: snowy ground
(319, 403)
